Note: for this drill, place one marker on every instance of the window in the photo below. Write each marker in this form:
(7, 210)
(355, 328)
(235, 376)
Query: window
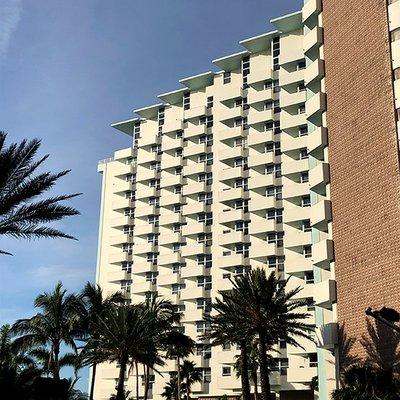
(303, 154)
(306, 225)
(155, 183)
(275, 53)
(276, 262)
(274, 191)
(151, 277)
(206, 218)
(304, 177)
(153, 201)
(301, 109)
(178, 152)
(301, 87)
(206, 375)
(241, 122)
(136, 130)
(178, 171)
(242, 226)
(126, 285)
(313, 360)
(206, 158)
(203, 350)
(240, 162)
(206, 177)
(130, 178)
(176, 247)
(178, 189)
(207, 139)
(268, 105)
(129, 212)
(242, 205)
(204, 260)
(205, 282)
(275, 238)
(205, 238)
(127, 266)
(310, 304)
(207, 120)
(128, 230)
(152, 238)
(130, 195)
(155, 148)
(301, 65)
(153, 219)
(277, 108)
(226, 371)
(227, 78)
(275, 86)
(273, 168)
(156, 166)
(307, 251)
(176, 268)
(242, 248)
(205, 197)
(245, 70)
(269, 126)
(177, 228)
(305, 201)
(177, 208)
(281, 365)
(275, 214)
(127, 248)
(309, 277)
(186, 101)
(241, 183)
(267, 85)
(303, 130)
(161, 116)
(152, 257)
(178, 134)
(202, 327)
(204, 304)
(177, 287)
(210, 102)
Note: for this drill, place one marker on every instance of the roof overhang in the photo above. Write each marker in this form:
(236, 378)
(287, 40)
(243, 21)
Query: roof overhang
(288, 22)
(126, 126)
(259, 43)
(231, 62)
(198, 81)
(172, 97)
(150, 111)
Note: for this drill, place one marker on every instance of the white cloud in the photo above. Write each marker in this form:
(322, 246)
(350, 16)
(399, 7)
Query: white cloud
(10, 14)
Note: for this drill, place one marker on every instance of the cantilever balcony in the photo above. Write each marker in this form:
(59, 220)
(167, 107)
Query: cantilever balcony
(289, 78)
(233, 194)
(310, 8)
(325, 293)
(231, 215)
(317, 140)
(327, 335)
(259, 116)
(121, 238)
(256, 138)
(232, 173)
(192, 149)
(258, 96)
(194, 208)
(195, 112)
(322, 253)
(319, 178)
(194, 292)
(169, 143)
(301, 375)
(321, 214)
(229, 92)
(232, 152)
(314, 71)
(312, 39)
(290, 143)
(231, 133)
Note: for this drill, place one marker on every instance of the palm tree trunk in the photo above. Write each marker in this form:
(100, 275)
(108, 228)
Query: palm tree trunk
(121, 380)
(56, 367)
(244, 374)
(255, 382)
(187, 391)
(94, 367)
(264, 371)
(179, 378)
(147, 383)
(137, 380)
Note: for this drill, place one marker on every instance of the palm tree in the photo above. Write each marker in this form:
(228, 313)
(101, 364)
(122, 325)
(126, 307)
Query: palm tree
(224, 330)
(21, 215)
(56, 324)
(252, 362)
(367, 382)
(125, 333)
(191, 375)
(177, 346)
(95, 304)
(265, 310)
(171, 389)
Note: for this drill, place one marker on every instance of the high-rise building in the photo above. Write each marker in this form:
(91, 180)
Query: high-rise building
(287, 158)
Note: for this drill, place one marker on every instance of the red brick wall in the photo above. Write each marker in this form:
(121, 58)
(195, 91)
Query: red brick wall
(363, 159)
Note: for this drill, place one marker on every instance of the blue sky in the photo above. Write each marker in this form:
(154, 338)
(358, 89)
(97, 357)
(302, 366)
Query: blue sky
(70, 68)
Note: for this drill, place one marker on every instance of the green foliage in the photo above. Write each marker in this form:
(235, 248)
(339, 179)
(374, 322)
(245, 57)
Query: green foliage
(22, 215)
